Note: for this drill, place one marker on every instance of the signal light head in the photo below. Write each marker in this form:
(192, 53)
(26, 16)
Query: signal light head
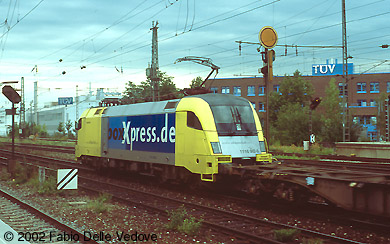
(315, 103)
(264, 70)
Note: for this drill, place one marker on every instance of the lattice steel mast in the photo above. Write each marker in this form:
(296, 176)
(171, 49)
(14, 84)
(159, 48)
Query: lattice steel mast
(152, 71)
(346, 126)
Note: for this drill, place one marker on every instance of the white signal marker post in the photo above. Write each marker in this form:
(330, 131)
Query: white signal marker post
(67, 179)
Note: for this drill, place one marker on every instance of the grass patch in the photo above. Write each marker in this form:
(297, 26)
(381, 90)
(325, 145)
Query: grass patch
(48, 187)
(286, 235)
(312, 241)
(296, 157)
(39, 142)
(22, 173)
(27, 174)
(99, 204)
(314, 149)
(181, 221)
(4, 175)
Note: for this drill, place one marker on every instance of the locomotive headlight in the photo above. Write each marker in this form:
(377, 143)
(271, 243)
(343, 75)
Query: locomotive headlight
(216, 147)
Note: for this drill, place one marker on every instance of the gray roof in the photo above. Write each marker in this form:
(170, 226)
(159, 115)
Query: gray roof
(140, 109)
(214, 99)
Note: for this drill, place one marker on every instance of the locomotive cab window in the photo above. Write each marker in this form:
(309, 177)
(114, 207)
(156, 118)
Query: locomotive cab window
(233, 120)
(97, 112)
(170, 105)
(78, 124)
(193, 121)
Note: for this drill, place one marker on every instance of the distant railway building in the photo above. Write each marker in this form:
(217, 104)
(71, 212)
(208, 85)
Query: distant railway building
(52, 114)
(363, 90)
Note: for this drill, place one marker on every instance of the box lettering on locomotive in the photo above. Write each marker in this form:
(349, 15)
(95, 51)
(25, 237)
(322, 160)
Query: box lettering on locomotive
(152, 133)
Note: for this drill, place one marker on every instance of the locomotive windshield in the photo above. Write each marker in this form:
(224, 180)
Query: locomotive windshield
(233, 115)
(234, 120)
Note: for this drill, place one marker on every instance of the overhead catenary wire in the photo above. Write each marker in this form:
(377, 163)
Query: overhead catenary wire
(96, 34)
(102, 56)
(12, 26)
(282, 37)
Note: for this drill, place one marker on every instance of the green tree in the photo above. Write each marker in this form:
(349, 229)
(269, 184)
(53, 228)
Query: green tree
(381, 120)
(61, 128)
(143, 92)
(289, 117)
(167, 87)
(332, 118)
(42, 131)
(196, 82)
(292, 125)
(68, 127)
(132, 92)
(33, 129)
(293, 89)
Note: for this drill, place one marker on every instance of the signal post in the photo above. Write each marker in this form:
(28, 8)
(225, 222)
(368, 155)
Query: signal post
(13, 97)
(268, 39)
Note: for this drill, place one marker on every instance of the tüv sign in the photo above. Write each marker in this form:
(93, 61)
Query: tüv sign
(330, 69)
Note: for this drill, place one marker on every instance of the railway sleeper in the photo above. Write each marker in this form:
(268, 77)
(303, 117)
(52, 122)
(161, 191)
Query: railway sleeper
(364, 195)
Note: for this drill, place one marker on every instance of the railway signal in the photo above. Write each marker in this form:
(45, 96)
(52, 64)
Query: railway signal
(11, 94)
(268, 57)
(268, 39)
(315, 103)
(13, 97)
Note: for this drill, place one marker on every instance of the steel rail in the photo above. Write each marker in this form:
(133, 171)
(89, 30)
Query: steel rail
(380, 168)
(62, 149)
(199, 206)
(58, 224)
(240, 218)
(71, 150)
(333, 157)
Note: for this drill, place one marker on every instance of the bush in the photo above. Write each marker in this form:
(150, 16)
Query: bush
(48, 187)
(190, 226)
(22, 173)
(4, 175)
(32, 129)
(312, 241)
(179, 222)
(99, 205)
(59, 136)
(286, 235)
(176, 218)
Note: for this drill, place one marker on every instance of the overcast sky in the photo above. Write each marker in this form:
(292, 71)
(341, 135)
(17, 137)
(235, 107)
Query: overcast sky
(107, 36)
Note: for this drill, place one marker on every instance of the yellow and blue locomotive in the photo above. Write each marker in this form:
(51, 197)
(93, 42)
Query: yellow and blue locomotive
(175, 139)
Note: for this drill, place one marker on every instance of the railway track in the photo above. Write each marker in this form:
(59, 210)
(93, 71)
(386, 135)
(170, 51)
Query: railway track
(380, 168)
(34, 225)
(243, 227)
(46, 161)
(327, 161)
(328, 158)
(52, 148)
(333, 157)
